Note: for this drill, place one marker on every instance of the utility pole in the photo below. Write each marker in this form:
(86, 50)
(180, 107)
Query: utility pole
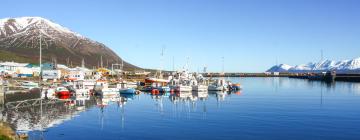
(101, 62)
(40, 74)
(83, 63)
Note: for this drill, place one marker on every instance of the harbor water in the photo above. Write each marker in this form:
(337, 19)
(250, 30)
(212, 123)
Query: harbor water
(266, 108)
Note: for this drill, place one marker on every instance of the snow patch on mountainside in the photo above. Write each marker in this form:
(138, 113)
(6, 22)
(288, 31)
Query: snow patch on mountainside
(21, 24)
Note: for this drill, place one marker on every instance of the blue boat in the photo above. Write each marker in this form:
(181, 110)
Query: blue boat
(128, 91)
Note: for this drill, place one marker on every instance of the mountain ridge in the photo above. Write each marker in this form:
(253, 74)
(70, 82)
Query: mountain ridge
(20, 37)
(343, 66)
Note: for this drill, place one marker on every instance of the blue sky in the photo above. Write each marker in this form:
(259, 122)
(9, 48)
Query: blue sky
(250, 34)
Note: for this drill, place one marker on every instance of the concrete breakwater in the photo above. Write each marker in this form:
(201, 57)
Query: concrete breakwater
(338, 77)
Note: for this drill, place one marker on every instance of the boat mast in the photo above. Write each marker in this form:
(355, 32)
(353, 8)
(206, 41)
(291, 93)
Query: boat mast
(161, 61)
(223, 67)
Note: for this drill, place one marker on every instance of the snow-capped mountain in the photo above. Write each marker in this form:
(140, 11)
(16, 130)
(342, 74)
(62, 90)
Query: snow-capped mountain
(344, 66)
(280, 68)
(20, 39)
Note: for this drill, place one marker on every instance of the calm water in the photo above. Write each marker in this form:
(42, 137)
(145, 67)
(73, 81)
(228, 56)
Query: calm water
(267, 108)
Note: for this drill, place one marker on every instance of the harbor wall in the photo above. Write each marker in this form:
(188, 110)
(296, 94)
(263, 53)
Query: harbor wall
(339, 77)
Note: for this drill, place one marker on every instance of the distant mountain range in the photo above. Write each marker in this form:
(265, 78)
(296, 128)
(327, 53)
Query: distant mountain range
(20, 39)
(345, 66)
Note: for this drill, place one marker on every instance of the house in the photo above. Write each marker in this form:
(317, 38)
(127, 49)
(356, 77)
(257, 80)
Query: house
(75, 74)
(24, 72)
(12, 66)
(48, 66)
(17, 69)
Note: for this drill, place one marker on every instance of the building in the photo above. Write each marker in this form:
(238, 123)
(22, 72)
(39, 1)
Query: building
(18, 69)
(12, 67)
(51, 74)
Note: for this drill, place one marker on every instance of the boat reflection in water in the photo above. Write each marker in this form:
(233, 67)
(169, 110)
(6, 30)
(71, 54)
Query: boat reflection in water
(37, 115)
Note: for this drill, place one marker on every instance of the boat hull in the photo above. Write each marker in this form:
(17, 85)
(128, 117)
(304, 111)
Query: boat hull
(182, 88)
(63, 93)
(128, 91)
(199, 88)
(215, 88)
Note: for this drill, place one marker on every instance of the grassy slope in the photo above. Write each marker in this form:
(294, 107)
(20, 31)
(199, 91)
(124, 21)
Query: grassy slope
(9, 56)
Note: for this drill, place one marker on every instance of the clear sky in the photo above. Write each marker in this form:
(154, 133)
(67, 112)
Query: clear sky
(250, 34)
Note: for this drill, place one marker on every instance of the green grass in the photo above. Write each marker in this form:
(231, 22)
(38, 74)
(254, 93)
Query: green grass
(9, 56)
(2, 137)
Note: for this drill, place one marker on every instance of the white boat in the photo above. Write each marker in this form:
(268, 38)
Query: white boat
(200, 88)
(202, 95)
(132, 84)
(124, 89)
(82, 87)
(29, 84)
(48, 92)
(215, 88)
(102, 88)
(182, 88)
(218, 85)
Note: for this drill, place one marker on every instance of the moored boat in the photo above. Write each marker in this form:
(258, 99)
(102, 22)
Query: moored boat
(29, 84)
(128, 91)
(62, 91)
(199, 88)
(182, 88)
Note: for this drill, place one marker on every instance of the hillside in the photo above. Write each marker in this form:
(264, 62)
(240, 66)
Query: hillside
(20, 41)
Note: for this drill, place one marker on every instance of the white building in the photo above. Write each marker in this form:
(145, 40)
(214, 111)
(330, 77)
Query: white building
(51, 74)
(78, 73)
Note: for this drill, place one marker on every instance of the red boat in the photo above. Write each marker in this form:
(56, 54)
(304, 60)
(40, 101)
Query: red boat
(62, 91)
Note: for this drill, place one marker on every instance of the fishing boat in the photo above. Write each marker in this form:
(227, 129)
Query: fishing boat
(164, 89)
(29, 84)
(158, 84)
(124, 89)
(215, 88)
(182, 88)
(81, 87)
(235, 87)
(48, 92)
(198, 83)
(218, 85)
(102, 88)
(128, 91)
(62, 91)
(199, 88)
